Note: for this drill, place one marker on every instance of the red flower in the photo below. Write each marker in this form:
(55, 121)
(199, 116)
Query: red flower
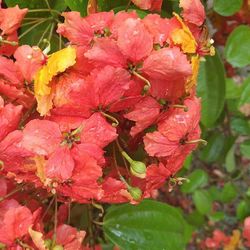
(144, 114)
(218, 240)
(69, 238)
(10, 117)
(193, 11)
(176, 134)
(148, 4)
(71, 156)
(169, 69)
(246, 231)
(14, 221)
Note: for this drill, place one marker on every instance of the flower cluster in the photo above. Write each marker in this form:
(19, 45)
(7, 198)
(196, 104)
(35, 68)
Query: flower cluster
(107, 119)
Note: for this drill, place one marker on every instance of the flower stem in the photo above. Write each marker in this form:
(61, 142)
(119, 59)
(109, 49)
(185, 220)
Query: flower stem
(11, 193)
(31, 28)
(44, 10)
(13, 43)
(148, 84)
(110, 117)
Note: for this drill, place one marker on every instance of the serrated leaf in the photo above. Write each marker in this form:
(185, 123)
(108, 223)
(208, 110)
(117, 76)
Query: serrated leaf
(237, 47)
(198, 178)
(227, 7)
(211, 88)
(149, 225)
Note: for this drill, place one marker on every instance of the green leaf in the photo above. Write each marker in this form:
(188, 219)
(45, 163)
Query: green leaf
(196, 219)
(240, 126)
(107, 5)
(214, 148)
(233, 91)
(151, 224)
(211, 87)
(198, 178)
(227, 7)
(202, 201)
(78, 5)
(215, 193)
(243, 209)
(245, 95)
(229, 193)
(230, 163)
(245, 149)
(37, 4)
(217, 216)
(237, 47)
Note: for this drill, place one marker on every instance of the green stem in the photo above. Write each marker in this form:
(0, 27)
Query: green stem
(55, 222)
(44, 10)
(43, 35)
(115, 121)
(31, 28)
(11, 193)
(148, 84)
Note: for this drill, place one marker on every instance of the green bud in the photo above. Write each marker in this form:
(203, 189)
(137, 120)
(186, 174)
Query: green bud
(135, 192)
(58, 247)
(48, 243)
(138, 169)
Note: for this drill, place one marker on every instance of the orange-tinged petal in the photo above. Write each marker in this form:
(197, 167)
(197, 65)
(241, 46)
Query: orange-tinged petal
(57, 63)
(192, 81)
(184, 37)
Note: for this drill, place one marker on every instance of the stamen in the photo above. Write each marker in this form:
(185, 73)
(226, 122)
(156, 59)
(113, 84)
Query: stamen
(184, 107)
(148, 84)
(197, 141)
(110, 117)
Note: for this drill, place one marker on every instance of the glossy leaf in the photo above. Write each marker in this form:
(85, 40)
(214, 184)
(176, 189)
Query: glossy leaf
(202, 201)
(227, 7)
(237, 47)
(198, 178)
(151, 223)
(211, 87)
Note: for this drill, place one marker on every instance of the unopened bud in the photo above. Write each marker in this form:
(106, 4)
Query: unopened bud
(48, 243)
(58, 247)
(138, 169)
(135, 192)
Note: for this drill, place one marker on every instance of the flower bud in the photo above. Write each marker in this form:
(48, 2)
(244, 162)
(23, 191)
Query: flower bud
(135, 192)
(48, 243)
(138, 169)
(58, 247)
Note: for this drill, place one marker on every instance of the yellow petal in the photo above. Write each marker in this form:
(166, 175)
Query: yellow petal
(57, 63)
(184, 37)
(37, 239)
(192, 81)
(235, 241)
(40, 165)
